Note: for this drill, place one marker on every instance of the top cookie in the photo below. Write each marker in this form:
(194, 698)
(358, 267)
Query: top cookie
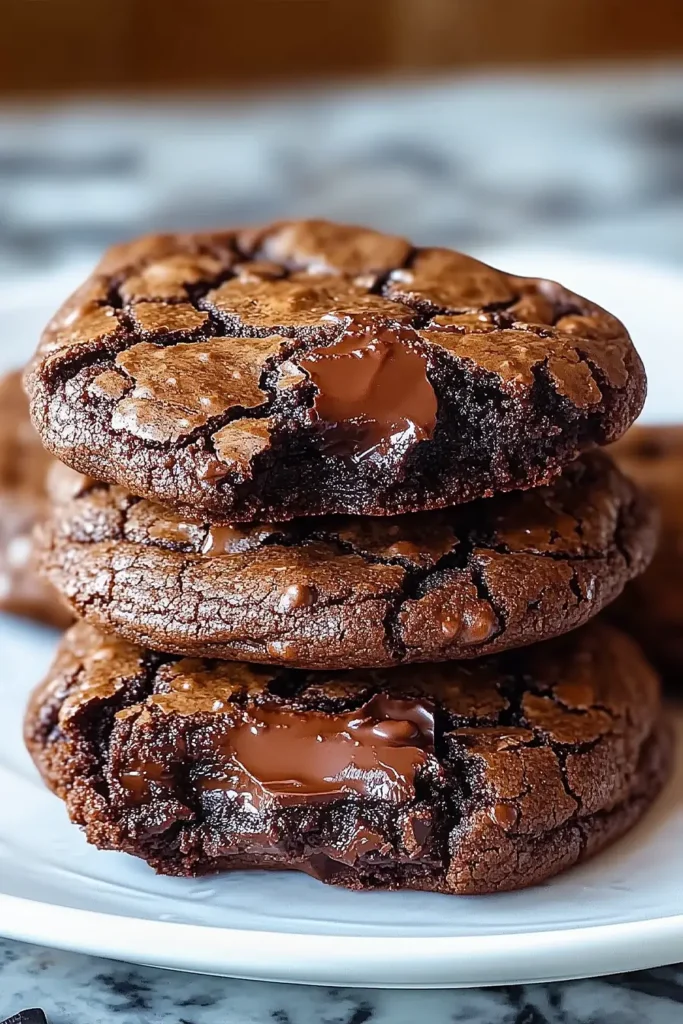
(311, 368)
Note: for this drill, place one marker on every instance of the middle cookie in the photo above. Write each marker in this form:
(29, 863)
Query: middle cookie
(349, 592)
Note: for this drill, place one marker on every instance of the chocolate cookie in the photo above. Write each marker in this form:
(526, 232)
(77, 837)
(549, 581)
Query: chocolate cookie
(351, 592)
(652, 607)
(310, 368)
(458, 778)
(24, 465)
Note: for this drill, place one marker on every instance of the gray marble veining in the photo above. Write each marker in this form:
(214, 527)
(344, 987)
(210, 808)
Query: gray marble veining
(592, 162)
(75, 989)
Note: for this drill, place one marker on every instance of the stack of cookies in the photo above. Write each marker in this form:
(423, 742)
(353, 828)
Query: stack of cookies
(342, 525)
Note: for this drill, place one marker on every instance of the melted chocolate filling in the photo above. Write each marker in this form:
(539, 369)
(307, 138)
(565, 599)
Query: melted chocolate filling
(373, 393)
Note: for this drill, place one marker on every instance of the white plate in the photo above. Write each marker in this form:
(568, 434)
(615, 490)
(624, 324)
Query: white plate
(621, 911)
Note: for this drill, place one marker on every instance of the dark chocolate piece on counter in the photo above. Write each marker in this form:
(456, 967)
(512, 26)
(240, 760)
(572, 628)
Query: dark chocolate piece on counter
(458, 778)
(309, 368)
(27, 1017)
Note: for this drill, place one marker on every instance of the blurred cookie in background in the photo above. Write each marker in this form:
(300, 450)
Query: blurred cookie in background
(24, 465)
(651, 607)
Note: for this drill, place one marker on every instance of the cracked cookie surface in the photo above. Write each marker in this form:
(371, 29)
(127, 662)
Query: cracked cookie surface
(310, 368)
(459, 778)
(651, 608)
(24, 466)
(346, 592)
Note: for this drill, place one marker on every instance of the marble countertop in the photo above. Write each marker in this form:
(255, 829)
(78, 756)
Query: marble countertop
(592, 163)
(75, 989)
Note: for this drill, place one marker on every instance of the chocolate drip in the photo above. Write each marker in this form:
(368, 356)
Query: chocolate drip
(373, 751)
(374, 396)
(293, 757)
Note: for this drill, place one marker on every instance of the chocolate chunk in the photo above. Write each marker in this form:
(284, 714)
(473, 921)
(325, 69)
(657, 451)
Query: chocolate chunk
(373, 394)
(297, 757)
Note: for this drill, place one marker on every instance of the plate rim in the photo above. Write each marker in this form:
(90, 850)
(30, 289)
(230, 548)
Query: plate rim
(355, 961)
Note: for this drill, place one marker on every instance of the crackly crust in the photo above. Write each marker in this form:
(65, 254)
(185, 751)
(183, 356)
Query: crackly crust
(541, 757)
(351, 592)
(24, 465)
(651, 608)
(527, 374)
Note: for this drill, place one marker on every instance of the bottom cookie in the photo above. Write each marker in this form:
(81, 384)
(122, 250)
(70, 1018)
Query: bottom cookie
(456, 778)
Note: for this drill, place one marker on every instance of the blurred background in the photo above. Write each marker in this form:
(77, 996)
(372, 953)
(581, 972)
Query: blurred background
(470, 122)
